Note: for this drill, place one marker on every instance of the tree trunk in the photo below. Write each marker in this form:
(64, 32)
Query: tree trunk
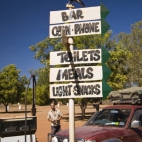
(83, 112)
(5, 104)
(83, 106)
(6, 108)
(101, 99)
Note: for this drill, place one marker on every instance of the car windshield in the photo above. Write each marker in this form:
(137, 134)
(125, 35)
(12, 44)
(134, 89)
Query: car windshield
(110, 117)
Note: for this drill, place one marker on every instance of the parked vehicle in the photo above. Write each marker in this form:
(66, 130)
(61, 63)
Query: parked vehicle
(121, 122)
(115, 123)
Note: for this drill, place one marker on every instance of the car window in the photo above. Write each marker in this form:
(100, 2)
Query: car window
(109, 117)
(137, 115)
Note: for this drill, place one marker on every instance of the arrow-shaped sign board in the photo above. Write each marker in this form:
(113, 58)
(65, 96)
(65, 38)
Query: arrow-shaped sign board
(104, 11)
(76, 57)
(80, 90)
(105, 54)
(86, 73)
(75, 15)
(74, 90)
(76, 29)
(106, 71)
(106, 89)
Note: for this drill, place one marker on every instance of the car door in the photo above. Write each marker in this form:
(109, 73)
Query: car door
(134, 134)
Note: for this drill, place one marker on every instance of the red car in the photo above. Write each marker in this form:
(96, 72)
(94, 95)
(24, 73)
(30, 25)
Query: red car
(117, 123)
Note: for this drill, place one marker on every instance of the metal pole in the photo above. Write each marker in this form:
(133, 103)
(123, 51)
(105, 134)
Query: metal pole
(26, 116)
(26, 109)
(33, 111)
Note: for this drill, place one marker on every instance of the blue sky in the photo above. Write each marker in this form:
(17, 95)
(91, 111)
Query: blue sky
(26, 22)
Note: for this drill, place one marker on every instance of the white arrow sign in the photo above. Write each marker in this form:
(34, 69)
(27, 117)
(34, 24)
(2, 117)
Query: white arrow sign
(75, 29)
(76, 57)
(86, 73)
(74, 90)
(75, 15)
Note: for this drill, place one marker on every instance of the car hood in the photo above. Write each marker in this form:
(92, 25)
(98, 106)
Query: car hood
(86, 132)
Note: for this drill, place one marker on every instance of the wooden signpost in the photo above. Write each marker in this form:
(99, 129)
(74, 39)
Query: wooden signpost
(75, 15)
(77, 22)
(76, 29)
(84, 73)
(76, 57)
(74, 90)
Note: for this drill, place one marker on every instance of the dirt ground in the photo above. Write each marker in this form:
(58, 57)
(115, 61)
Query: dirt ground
(43, 126)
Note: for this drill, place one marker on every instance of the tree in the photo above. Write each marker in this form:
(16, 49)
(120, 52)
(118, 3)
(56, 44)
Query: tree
(118, 63)
(42, 86)
(132, 42)
(22, 82)
(42, 97)
(11, 85)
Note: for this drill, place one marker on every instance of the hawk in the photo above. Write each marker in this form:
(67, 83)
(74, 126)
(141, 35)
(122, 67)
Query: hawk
(79, 1)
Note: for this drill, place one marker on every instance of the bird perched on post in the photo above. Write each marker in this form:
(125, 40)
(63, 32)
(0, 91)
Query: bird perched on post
(79, 1)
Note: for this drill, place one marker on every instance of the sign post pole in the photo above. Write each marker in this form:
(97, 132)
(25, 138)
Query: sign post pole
(71, 105)
(71, 100)
(71, 121)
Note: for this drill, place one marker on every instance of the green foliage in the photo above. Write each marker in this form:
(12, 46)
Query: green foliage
(43, 76)
(43, 48)
(91, 41)
(11, 85)
(133, 41)
(42, 89)
(43, 86)
(42, 97)
(118, 65)
(29, 96)
(131, 46)
(23, 81)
